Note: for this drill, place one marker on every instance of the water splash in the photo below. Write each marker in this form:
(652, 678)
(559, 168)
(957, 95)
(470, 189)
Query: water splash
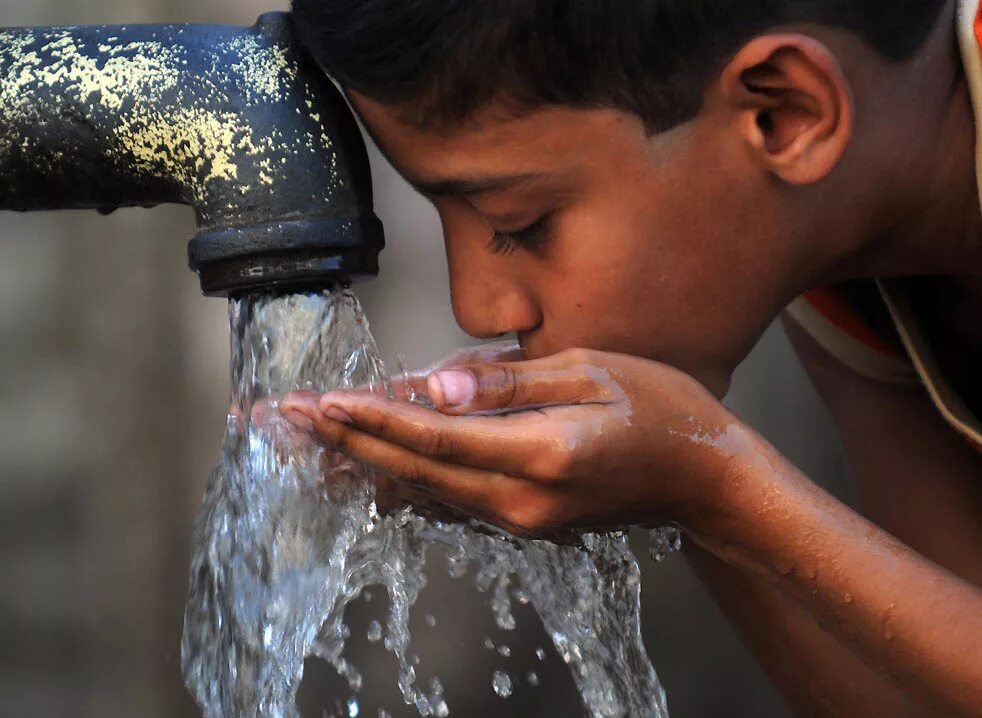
(289, 535)
(663, 542)
(501, 684)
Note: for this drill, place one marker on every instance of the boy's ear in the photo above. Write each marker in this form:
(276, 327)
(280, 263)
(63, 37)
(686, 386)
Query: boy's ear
(793, 105)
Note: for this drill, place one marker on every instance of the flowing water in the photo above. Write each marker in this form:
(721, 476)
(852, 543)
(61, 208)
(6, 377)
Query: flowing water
(289, 535)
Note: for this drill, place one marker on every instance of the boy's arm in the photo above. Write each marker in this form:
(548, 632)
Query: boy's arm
(590, 439)
(915, 478)
(815, 673)
(907, 617)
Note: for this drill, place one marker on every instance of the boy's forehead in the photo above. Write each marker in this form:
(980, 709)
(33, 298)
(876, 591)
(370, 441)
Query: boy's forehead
(492, 145)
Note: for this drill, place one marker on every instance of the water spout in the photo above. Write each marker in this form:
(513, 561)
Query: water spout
(239, 123)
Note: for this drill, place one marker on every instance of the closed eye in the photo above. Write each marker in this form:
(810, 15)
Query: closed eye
(532, 237)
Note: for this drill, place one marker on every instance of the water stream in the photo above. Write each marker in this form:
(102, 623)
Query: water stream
(289, 535)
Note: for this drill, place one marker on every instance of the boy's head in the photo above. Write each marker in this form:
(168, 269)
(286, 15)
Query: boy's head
(655, 177)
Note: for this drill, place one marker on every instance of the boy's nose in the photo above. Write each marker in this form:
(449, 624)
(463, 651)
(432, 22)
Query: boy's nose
(488, 299)
(486, 308)
(489, 295)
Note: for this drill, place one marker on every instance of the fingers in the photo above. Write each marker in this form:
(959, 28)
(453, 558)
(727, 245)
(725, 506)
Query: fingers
(411, 387)
(471, 490)
(517, 386)
(297, 418)
(408, 387)
(537, 446)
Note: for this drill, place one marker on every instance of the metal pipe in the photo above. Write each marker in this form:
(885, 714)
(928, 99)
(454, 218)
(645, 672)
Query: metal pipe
(239, 123)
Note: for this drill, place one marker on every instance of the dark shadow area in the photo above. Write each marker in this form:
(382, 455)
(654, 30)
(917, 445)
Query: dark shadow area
(455, 640)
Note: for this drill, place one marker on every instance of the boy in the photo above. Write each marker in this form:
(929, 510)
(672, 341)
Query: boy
(636, 189)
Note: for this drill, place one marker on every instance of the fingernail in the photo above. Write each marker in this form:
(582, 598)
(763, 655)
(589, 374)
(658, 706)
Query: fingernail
(338, 414)
(298, 420)
(458, 387)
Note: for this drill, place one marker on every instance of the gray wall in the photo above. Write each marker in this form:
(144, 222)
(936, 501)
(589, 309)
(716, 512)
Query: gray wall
(113, 387)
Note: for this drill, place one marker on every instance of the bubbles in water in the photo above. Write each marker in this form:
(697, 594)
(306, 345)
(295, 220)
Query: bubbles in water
(533, 678)
(353, 708)
(540, 654)
(374, 632)
(504, 651)
(438, 705)
(662, 542)
(289, 535)
(501, 683)
(430, 620)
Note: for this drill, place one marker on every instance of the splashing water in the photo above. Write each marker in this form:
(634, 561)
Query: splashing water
(501, 683)
(289, 535)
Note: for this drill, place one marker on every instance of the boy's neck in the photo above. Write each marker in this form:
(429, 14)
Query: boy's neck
(931, 224)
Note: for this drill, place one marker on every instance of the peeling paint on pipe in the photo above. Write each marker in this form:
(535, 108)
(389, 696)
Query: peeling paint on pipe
(237, 122)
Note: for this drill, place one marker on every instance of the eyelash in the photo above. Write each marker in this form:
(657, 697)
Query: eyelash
(532, 237)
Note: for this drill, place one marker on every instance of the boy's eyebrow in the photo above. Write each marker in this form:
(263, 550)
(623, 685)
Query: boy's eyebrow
(466, 186)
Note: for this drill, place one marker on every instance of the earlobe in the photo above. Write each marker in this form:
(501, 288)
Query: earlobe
(792, 104)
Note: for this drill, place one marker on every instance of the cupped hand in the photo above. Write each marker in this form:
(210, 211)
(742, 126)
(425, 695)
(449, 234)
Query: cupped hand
(580, 440)
(414, 386)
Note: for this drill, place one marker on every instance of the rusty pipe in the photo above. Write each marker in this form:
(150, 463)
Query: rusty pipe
(239, 123)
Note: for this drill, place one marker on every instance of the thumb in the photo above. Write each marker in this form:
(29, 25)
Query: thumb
(410, 385)
(510, 386)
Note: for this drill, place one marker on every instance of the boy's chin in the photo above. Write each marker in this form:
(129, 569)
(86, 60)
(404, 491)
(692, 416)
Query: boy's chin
(716, 382)
(719, 387)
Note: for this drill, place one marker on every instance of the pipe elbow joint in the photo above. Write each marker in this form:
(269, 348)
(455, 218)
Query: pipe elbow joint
(239, 123)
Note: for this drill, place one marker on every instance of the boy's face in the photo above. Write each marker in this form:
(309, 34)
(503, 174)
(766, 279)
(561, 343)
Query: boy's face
(668, 247)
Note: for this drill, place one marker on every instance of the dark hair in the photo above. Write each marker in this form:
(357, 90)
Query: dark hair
(441, 60)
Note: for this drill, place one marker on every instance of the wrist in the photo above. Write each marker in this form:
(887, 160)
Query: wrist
(741, 484)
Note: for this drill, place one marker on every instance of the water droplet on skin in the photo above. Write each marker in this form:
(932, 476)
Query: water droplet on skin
(533, 679)
(501, 683)
(374, 631)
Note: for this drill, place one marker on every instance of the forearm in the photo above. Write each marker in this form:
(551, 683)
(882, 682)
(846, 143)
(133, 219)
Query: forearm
(815, 673)
(902, 614)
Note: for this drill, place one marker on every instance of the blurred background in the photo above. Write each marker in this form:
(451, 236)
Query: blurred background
(113, 390)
